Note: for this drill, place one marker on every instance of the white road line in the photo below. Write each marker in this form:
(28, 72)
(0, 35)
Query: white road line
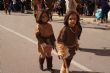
(82, 67)
(18, 34)
(34, 42)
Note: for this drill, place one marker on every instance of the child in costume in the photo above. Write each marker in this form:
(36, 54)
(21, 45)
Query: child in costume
(67, 41)
(46, 39)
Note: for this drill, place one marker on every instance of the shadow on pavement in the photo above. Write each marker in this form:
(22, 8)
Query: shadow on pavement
(58, 71)
(101, 52)
(97, 27)
(83, 72)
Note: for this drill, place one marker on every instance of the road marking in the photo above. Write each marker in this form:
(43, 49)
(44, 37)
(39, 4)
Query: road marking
(82, 67)
(18, 34)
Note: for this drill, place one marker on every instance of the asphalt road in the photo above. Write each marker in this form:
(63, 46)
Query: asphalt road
(18, 46)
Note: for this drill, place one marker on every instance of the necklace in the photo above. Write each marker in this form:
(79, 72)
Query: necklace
(72, 30)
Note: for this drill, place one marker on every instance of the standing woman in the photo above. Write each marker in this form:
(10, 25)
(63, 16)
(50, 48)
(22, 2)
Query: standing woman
(46, 39)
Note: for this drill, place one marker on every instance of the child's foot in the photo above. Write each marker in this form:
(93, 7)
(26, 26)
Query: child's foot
(41, 67)
(51, 70)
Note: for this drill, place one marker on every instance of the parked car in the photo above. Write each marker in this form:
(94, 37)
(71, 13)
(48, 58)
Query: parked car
(1, 5)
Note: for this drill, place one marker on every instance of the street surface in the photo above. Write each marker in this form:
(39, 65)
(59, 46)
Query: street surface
(18, 46)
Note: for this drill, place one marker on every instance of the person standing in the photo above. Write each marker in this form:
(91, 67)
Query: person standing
(37, 6)
(67, 41)
(46, 39)
(7, 6)
(73, 4)
(105, 9)
(23, 6)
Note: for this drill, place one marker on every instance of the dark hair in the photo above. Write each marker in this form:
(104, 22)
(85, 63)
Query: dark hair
(77, 22)
(67, 17)
(39, 16)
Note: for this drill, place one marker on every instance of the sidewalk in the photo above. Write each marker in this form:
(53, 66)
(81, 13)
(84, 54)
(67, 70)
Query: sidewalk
(86, 21)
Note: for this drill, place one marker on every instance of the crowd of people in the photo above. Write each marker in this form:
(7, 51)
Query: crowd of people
(97, 8)
(16, 5)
